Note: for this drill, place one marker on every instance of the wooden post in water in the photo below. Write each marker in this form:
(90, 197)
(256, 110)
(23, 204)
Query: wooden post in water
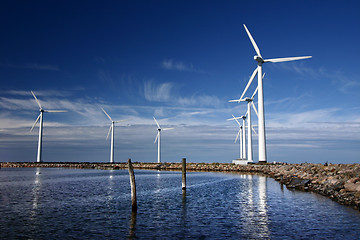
(184, 173)
(133, 186)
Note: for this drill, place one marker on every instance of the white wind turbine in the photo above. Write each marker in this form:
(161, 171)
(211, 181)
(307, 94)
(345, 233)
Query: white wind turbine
(242, 135)
(250, 103)
(40, 117)
(111, 129)
(158, 138)
(239, 135)
(258, 70)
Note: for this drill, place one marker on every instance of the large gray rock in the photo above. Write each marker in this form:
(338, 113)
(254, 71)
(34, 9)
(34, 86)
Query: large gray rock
(298, 183)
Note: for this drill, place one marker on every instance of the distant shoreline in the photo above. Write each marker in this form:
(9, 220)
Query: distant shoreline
(339, 182)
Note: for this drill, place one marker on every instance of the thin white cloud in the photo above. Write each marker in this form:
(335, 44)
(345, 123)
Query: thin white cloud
(200, 100)
(170, 64)
(34, 66)
(157, 93)
(343, 82)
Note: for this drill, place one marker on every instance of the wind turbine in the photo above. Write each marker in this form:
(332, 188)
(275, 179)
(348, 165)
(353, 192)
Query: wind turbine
(242, 135)
(40, 117)
(258, 70)
(111, 129)
(250, 103)
(158, 138)
(239, 135)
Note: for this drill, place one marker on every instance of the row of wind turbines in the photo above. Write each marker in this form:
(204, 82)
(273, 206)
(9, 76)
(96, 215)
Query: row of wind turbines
(241, 133)
(261, 111)
(110, 132)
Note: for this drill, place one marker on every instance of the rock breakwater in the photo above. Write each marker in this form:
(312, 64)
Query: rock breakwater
(340, 182)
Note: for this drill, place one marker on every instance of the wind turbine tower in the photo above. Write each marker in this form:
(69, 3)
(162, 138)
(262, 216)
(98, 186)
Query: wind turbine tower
(111, 129)
(158, 138)
(261, 118)
(244, 136)
(40, 117)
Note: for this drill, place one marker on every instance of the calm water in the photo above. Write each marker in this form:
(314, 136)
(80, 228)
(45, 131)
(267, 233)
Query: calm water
(95, 204)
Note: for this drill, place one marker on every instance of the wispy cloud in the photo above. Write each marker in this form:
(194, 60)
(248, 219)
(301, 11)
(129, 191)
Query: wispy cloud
(34, 66)
(52, 93)
(157, 93)
(170, 64)
(200, 100)
(343, 82)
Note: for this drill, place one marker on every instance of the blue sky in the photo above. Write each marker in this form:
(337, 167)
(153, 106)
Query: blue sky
(180, 61)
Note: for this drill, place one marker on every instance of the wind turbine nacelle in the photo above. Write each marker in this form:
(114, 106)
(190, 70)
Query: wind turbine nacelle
(258, 59)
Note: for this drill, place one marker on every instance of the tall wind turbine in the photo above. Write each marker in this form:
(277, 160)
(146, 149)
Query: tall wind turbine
(258, 70)
(40, 117)
(158, 138)
(111, 129)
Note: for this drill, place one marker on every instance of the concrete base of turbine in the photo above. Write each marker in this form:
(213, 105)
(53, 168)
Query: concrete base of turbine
(242, 161)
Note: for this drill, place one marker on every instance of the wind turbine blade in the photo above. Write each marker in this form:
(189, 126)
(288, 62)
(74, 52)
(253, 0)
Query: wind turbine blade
(253, 129)
(157, 122)
(237, 136)
(107, 114)
(36, 99)
(252, 97)
(35, 122)
(274, 60)
(109, 132)
(253, 105)
(249, 83)
(252, 41)
(157, 136)
(166, 129)
(55, 111)
(237, 100)
(236, 119)
(122, 120)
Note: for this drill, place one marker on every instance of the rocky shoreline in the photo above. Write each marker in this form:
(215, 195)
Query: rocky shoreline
(339, 182)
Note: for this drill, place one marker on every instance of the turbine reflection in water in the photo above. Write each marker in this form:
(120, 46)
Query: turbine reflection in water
(253, 207)
(36, 193)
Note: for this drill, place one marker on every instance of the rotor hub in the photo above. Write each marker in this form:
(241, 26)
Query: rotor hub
(259, 59)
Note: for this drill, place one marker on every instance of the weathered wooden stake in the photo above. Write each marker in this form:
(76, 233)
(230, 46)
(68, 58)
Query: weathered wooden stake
(133, 186)
(184, 173)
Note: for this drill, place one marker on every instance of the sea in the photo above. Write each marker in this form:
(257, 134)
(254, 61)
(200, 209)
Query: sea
(56, 203)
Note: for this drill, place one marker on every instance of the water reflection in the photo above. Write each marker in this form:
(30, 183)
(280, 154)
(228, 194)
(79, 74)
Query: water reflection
(110, 187)
(183, 213)
(262, 210)
(132, 225)
(35, 193)
(253, 206)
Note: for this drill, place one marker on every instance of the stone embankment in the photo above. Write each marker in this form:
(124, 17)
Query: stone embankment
(340, 182)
